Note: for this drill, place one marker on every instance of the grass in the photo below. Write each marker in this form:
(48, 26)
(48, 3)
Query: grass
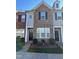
(19, 44)
(46, 50)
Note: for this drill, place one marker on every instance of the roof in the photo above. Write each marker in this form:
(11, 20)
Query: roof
(42, 2)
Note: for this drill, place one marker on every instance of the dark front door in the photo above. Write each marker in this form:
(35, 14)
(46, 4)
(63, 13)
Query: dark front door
(56, 35)
(30, 35)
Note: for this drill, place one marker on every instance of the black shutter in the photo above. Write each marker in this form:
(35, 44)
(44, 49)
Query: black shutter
(39, 15)
(62, 15)
(46, 16)
(55, 16)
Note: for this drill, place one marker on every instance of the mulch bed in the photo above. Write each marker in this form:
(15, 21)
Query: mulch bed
(45, 49)
(43, 46)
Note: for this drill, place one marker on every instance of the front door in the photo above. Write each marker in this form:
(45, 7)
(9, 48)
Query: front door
(57, 34)
(30, 34)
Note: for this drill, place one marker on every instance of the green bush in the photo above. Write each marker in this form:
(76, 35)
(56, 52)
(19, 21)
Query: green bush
(19, 43)
(18, 37)
(51, 41)
(43, 41)
(40, 43)
(22, 39)
(46, 50)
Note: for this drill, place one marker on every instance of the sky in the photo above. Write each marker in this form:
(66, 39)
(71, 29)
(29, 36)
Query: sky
(30, 4)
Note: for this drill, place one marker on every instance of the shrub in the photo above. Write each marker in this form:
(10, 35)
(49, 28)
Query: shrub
(40, 43)
(19, 43)
(18, 37)
(43, 41)
(35, 41)
(22, 40)
(51, 41)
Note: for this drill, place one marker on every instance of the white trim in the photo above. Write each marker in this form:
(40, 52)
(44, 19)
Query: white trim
(20, 32)
(45, 32)
(61, 32)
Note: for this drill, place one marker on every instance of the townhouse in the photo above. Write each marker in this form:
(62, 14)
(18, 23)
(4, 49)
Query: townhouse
(20, 23)
(44, 22)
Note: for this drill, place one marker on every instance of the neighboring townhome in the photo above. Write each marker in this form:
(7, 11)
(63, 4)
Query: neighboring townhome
(57, 22)
(20, 23)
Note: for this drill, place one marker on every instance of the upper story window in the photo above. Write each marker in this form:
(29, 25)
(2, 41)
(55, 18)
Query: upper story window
(19, 18)
(43, 15)
(16, 17)
(57, 5)
(30, 16)
(58, 15)
(23, 18)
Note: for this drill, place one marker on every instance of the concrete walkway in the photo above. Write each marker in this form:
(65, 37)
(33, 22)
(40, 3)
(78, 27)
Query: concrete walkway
(26, 55)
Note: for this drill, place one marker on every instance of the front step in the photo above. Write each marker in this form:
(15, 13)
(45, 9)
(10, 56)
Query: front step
(60, 44)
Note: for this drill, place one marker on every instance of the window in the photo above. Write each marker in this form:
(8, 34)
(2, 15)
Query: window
(57, 5)
(43, 32)
(23, 18)
(55, 16)
(43, 35)
(43, 15)
(19, 18)
(58, 15)
(30, 16)
(16, 17)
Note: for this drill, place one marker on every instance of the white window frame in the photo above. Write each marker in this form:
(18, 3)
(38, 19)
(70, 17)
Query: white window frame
(43, 30)
(43, 15)
(59, 15)
(30, 16)
(23, 18)
(17, 17)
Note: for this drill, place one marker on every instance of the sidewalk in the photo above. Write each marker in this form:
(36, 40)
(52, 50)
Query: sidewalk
(26, 55)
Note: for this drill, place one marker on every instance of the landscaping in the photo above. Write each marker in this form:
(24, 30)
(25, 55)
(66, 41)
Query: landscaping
(45, 47)
(46, 50)
(19, 43)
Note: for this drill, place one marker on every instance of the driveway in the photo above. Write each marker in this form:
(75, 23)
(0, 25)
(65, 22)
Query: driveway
(26, 55)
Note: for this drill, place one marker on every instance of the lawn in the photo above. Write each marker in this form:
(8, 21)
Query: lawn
(19, 43)
(46, 50)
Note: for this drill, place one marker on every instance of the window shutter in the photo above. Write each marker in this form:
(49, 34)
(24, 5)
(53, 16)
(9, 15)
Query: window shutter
(19, 18)
(62, 15)
(39, 15)
(46, 16)
(55, 16)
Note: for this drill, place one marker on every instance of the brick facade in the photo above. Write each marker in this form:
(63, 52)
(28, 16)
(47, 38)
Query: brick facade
(19, 23)
(46, 23)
